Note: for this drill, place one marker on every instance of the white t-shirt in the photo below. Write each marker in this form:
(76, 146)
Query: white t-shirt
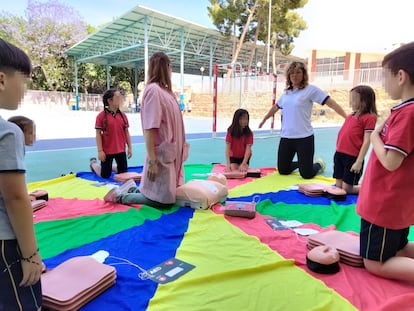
(11, 160)
(296, 109)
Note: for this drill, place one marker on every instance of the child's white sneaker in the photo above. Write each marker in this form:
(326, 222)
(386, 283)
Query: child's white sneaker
(322, 163)
(130, 183)
(112, 195)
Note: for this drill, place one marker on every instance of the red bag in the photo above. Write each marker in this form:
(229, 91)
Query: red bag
(240, 209)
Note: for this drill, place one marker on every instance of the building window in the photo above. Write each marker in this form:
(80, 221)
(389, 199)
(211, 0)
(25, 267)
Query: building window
(370, 72)
(331, 66)
(371, 65)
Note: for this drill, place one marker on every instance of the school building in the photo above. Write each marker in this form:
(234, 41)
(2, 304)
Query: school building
(344, 69)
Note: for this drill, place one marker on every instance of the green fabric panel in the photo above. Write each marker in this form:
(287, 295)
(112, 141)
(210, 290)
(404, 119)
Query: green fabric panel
(343, 216)
(190, 169)
(240, 267)
(57, 236)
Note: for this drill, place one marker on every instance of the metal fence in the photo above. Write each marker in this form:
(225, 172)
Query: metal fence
(239, 84)
(86, 102)
(264, 82)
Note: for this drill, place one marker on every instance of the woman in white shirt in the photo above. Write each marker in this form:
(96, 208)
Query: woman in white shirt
(297, 135)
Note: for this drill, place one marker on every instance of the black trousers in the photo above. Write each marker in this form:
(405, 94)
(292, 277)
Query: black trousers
(304, 148)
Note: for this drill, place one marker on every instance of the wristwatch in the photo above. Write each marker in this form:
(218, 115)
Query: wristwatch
(152, 162)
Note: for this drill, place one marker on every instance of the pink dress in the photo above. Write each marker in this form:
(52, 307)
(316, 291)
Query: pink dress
(161, 111)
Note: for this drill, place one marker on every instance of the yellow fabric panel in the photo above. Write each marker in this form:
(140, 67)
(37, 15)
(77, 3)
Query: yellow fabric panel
(274, 182)
(70, 187)
(239, 273)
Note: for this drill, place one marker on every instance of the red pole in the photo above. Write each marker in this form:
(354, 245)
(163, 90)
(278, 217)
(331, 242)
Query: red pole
(215, 74)
(272, 125)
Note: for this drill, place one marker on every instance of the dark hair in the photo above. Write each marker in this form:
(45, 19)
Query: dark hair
(322, 268)
(293, 66)
(21, 121)
(401, 59)
(108, 95)
(14, 59)
(235, 129)
(367, 98)
(159, 70)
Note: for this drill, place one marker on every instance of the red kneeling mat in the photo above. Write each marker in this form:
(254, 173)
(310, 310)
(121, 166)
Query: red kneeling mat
(38, 204)
(75, 282)
(317, 189)
(251, 172)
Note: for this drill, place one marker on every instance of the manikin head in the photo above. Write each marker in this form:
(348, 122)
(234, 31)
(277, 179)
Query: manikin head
(323, 259)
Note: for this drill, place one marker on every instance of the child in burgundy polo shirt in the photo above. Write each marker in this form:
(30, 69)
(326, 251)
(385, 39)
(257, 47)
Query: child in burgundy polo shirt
(112, 137)
(354, 139)
(386, 200)
(239, 141)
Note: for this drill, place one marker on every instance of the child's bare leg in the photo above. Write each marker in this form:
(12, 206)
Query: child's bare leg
(350, 189)
(234, 166)
(95, 166)
(397, 268)
(339, 183)
(407, 251)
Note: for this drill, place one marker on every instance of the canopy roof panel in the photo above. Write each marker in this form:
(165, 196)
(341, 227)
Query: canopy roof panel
(122, 43)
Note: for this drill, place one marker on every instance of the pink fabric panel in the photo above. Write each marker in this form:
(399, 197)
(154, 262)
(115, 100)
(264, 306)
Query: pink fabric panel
(365, 291)
(69, 208)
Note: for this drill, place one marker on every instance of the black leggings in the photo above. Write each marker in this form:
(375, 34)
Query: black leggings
(121, 162)
(305, 149)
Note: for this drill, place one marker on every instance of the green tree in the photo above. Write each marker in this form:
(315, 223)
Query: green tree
(286, 25)
(12, 28)
(124, 79)
(225, 15)
(249, 19)
(52, 27)
(45, 32)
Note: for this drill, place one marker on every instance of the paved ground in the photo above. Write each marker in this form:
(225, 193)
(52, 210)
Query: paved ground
(65, 141)
(58, 122)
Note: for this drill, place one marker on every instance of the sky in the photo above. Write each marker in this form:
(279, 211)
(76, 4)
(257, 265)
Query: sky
(350, 25)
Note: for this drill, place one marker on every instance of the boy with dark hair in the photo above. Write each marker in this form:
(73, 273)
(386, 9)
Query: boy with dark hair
(20, 262)
(386, 201)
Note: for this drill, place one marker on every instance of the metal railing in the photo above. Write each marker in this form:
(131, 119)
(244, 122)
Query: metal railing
(263, 82)
(258, 83)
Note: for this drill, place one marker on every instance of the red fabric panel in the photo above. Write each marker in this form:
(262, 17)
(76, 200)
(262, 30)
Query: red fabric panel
(59, 208)
(365, 291)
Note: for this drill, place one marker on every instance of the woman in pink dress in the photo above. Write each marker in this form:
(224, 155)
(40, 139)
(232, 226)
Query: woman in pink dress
(163, 128)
